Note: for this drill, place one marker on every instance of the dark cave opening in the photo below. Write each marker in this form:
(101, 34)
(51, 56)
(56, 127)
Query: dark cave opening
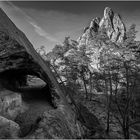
(38, 97)
(38, 100)
(42, 93)
(17, 81)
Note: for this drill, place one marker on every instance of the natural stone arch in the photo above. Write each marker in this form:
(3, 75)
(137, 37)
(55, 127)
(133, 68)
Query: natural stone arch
(18, 54)
(18, 57)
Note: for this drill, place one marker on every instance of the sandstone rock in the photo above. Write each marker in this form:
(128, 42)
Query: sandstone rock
(55, 125)
(95, 24)
(10, 104)
(8, 128)
(114, 27)
(119, 29)
(106, 21)
(22, 60)
(113, 24)
(89, 32)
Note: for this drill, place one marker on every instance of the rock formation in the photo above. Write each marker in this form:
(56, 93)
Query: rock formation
(114, 27)
(10, 104)
(113, 24)
(8, 128)
(18, 59)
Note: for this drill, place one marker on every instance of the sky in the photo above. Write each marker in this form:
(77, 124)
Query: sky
(47, 23)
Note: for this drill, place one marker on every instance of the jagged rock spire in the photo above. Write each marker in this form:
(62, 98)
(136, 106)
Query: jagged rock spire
(111, 22)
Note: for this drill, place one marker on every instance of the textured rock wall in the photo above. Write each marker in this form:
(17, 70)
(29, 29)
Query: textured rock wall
(22, 59)
(113, 24)
(8, 128)
(10, 104)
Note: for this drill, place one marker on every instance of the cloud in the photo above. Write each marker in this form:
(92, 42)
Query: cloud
(59, 23)
(41, 32)
(51, 25)
(30, 20)
(48, 26)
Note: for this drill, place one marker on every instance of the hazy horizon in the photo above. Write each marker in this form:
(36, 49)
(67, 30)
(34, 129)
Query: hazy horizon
(48, 22)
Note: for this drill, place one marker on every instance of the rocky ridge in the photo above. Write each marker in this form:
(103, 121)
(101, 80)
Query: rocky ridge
(113, 24)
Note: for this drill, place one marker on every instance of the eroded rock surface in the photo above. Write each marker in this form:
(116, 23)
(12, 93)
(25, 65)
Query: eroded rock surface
(8, 128)
(10, 104)
(54, 124)
(18, 58)
(113, 24)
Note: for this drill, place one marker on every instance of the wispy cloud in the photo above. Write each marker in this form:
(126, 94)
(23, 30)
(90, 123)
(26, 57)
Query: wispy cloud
(59, 23)
(42, 33)
(39, 30)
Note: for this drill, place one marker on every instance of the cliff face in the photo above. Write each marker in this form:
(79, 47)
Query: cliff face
(113, 24)
(18, 58)
(114, 27)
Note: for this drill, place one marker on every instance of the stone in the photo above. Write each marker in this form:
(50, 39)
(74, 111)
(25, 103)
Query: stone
(55, 125)
(113, 24)
(89, 32)
(10, 104)
(94, 24)
(119, 29)
(8, 128)
(21, 59)
(114, 27)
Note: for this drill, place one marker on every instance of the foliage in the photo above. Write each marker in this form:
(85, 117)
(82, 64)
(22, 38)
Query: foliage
(120, 65)
(108, 67)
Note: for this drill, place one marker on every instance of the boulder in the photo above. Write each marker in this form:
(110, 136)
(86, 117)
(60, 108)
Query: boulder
(8, 128)
(54, 124)
(10, 104)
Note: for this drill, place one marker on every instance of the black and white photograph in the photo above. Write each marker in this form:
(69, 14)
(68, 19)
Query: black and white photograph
(69, 69)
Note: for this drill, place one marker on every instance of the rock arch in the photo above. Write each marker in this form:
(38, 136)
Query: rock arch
(18, 58)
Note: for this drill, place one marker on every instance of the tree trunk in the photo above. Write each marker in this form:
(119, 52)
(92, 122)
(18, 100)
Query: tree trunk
(84, 82)
(126, 133)
(91, 86)
(109, 104)
(127, 106)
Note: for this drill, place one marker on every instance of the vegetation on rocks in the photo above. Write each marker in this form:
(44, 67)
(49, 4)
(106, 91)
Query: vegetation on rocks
(101, 69)
(90, 86)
